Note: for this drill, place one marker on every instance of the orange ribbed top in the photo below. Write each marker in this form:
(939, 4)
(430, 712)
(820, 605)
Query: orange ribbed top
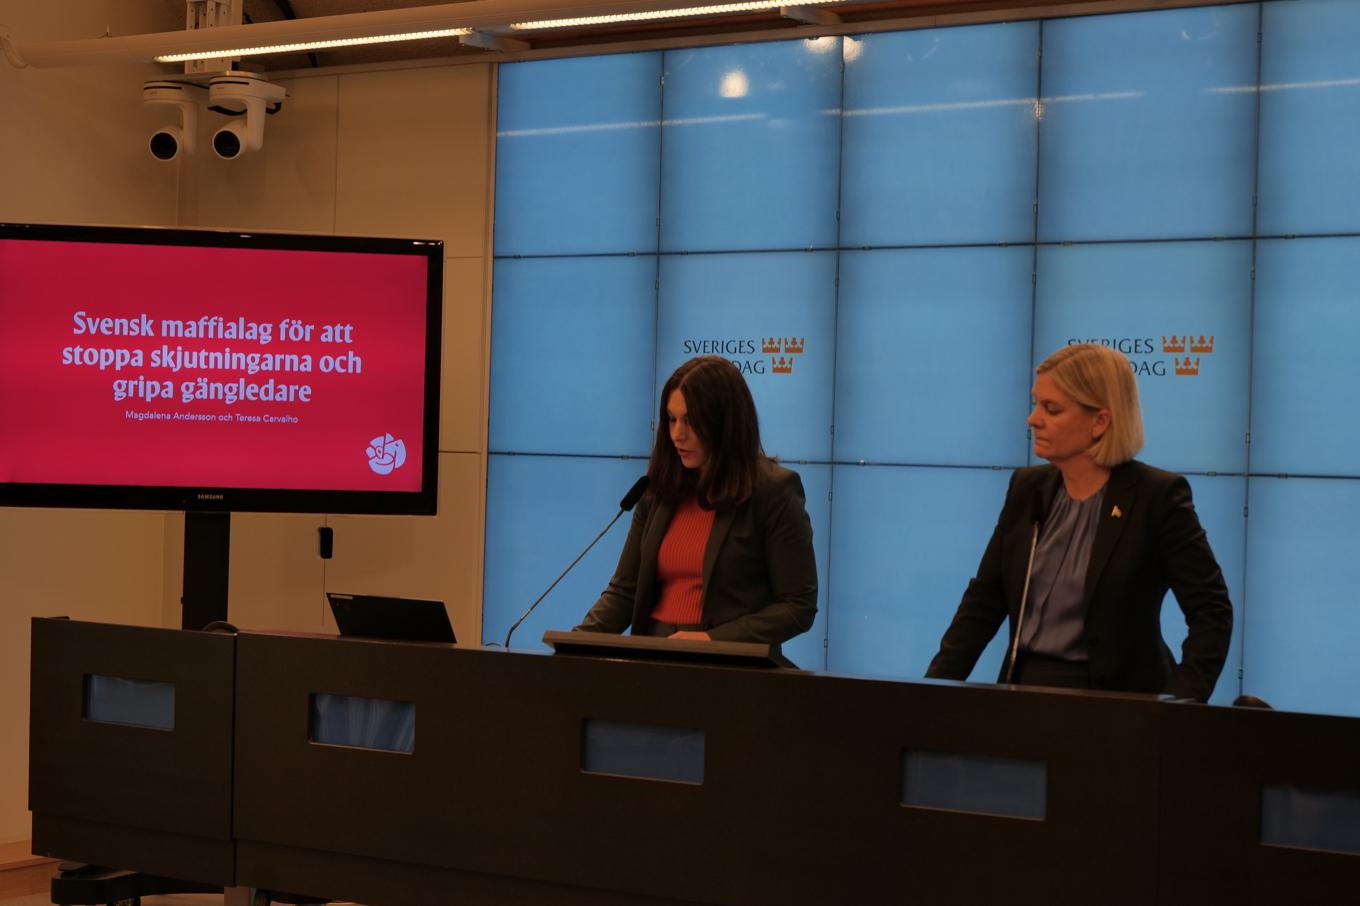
(680, 565)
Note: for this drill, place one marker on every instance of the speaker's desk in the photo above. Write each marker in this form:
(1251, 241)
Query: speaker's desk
(782, 787)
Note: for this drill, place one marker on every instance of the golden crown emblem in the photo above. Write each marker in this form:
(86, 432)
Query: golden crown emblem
(1185, 366)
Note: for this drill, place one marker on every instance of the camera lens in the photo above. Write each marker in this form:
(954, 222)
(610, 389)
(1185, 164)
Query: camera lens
(164, 146)
(227, 144)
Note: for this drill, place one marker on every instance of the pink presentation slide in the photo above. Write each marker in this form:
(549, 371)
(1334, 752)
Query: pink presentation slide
(125, 364)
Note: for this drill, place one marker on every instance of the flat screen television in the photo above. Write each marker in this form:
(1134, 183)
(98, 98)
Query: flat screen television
(218, 371)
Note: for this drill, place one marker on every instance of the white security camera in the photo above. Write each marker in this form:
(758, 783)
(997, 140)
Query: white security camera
(168, 141)
(240, 93)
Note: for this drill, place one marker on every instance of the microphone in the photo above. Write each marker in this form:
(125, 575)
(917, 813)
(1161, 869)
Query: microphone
(627, 503)
(634, 495)
(1038, 506)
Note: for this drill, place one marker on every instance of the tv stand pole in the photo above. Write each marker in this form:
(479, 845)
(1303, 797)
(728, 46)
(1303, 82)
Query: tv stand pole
(207, 562)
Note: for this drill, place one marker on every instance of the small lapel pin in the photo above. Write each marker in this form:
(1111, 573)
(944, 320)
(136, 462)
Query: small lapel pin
(1116, 512)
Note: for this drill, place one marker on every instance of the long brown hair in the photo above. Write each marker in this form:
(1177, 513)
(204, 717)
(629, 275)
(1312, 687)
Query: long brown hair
(723, 416)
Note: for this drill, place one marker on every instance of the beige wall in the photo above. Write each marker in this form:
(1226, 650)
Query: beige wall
(72, 149)
(405, 152)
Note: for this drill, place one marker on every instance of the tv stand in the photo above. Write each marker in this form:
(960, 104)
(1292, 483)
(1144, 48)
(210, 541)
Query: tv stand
(207, 564)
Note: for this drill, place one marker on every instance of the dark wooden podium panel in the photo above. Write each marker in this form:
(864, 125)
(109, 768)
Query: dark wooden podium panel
(494, 785)
(795, 797)
(153, 800)
(1216, 762)
(800, 799)
(831, 783)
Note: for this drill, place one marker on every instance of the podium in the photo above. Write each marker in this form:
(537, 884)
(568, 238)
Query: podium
(655, 648)
(555, 779)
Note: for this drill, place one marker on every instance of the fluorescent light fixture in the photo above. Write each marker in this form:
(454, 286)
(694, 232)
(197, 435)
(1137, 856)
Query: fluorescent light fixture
(465, 20)
(345, 30)
(303, 46)
(649, 15)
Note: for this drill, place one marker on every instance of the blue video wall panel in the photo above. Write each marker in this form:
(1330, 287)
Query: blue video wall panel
(852, 220)
(955, 320)
(906, 542)
(772, 314)
(567, 333)
(1181, 312)
(1303, 613)
(576, 148)
(1310, 117)
(751, 147)
(547, 508)
(939, 137)
(1148, 127)
(1306, 375)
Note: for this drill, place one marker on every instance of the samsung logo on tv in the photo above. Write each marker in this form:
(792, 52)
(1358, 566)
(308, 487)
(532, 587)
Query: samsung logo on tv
(212, 497)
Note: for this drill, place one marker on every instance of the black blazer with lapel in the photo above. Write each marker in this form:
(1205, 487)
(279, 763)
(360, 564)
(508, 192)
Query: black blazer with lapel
(759, 573)
(1148, 540)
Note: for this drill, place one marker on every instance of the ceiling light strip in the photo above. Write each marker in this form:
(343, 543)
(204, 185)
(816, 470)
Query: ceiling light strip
(649, 15)
(302, 46)
(349, 29)
(228, 40)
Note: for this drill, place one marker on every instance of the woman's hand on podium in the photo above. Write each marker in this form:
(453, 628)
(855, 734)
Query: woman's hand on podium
(686, 634)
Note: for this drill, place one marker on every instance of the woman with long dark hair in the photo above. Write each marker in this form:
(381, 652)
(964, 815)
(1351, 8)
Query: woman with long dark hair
(721, 544)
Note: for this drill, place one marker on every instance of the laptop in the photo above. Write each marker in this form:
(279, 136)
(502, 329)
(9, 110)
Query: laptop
(400, 619)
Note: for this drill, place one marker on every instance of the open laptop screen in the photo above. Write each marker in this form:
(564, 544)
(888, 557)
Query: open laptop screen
(380, 617)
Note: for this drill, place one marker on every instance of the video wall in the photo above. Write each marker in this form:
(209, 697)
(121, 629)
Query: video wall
(886, 233)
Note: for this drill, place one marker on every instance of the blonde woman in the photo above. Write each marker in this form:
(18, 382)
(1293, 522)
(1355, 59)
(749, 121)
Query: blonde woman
(1085, 549)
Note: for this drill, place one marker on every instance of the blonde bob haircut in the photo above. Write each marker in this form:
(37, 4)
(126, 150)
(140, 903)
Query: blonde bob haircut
(1098, 377)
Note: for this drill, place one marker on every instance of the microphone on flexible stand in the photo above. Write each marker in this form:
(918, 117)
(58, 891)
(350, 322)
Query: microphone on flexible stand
(627, 503)
(1038, 508)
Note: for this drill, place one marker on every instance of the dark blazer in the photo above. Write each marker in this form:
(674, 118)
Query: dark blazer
(759, 575)
(1148, 540)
